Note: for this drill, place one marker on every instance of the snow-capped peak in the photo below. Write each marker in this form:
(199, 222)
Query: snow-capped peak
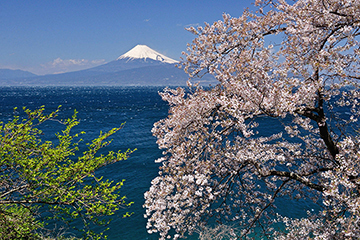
(144, 52)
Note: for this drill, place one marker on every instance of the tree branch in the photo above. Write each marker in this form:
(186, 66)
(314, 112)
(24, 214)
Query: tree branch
(296, 177)
(14, 190)
(33, 202)
(257, 215)
(317, 114)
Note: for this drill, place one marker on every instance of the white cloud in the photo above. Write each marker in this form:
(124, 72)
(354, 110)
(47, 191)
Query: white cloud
(59, 65)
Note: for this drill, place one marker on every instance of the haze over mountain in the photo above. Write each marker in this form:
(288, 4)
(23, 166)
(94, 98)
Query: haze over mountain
(141, 66)
(11, 74)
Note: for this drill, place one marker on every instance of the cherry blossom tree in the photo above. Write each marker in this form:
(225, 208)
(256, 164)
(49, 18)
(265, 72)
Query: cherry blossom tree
(293, 62)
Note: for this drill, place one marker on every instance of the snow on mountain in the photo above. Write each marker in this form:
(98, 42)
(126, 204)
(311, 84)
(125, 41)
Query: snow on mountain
(141, 66)
(144, 52)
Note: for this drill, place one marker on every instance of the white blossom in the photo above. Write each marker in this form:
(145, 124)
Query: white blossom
(221, 162)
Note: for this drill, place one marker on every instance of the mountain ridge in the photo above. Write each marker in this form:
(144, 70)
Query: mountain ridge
(144, 52)
(141, 66)
(10, 73)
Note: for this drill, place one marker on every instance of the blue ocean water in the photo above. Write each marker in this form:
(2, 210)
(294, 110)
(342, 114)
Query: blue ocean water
(100, 109)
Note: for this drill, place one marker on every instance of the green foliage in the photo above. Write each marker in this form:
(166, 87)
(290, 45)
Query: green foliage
(41, 178)
(17, 222)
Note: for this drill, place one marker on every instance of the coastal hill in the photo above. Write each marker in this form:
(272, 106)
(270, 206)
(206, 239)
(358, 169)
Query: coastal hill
(12, 74)
(141, 66)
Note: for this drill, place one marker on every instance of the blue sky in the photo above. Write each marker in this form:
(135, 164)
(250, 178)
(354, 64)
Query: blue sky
(52, 36)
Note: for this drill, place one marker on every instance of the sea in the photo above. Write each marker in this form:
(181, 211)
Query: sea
(101, 109)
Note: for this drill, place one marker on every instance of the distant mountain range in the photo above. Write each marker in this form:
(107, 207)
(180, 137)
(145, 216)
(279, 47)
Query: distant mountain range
(11, 74)
(141, 66)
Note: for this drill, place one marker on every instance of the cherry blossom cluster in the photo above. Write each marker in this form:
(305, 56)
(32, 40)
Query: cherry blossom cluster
(294, 64)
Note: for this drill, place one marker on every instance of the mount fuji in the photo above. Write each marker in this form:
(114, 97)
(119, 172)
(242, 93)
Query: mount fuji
(140, 66)
(144, 52)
